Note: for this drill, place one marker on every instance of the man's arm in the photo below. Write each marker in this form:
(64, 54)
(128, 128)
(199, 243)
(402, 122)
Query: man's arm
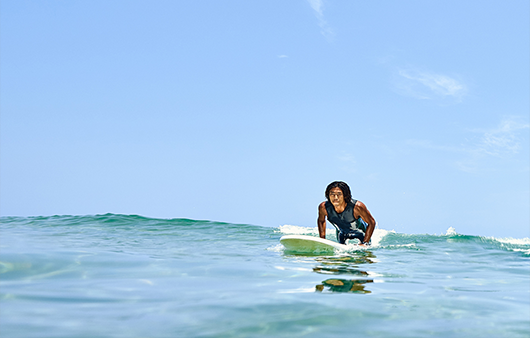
(321, 220)
(362, 211)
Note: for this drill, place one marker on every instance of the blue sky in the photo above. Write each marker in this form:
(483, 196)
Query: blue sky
(243, 111)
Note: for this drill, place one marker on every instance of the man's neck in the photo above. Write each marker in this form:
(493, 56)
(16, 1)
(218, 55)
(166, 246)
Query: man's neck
(340, 208)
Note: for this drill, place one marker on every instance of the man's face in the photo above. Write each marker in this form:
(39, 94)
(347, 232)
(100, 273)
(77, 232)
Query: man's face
(336, 197)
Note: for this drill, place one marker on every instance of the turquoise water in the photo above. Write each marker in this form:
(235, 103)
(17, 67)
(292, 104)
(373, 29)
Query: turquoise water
(131, 276)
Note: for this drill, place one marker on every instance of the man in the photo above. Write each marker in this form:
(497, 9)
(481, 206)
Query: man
(350, 217)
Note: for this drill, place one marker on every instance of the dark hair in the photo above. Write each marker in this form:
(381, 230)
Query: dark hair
(342, 186)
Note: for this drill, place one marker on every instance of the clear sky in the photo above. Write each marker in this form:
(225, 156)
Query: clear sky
(243, 111)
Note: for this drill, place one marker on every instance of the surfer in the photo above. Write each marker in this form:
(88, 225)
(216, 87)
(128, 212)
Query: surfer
(350, 217)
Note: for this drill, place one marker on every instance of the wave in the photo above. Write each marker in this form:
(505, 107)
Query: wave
(382, 238)
(110, 219)
(521, 245)
(390, 239)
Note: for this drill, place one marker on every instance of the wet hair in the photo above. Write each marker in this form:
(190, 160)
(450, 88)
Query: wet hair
(342, 186)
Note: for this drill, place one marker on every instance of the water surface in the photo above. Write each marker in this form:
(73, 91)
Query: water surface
(131, 276)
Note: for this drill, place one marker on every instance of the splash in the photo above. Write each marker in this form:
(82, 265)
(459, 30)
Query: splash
(352, 245)
(378, 235)
(276, 248)
(451, 231)
(298, 230)
(513, 244)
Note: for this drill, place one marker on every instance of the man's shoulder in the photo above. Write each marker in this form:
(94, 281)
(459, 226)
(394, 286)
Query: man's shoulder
(322, 206)
(359, 205)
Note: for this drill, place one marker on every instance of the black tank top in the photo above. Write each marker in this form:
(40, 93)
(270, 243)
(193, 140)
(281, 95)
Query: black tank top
(345, 221)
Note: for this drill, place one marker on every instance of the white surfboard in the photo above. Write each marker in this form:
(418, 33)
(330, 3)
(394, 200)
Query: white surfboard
(303, 243)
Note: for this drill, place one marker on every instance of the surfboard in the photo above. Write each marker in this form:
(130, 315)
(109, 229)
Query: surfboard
(307, 244)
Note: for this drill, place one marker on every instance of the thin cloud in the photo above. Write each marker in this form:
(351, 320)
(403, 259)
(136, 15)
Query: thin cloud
(501, 141)
(427, 85)
(282, 56)
(318, 7)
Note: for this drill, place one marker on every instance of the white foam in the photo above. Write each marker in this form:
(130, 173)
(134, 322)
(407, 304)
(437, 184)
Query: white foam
(514, 244)
(515, 241)
(451, 231)
(378, 235)
(296, 230)
(410, 245)
(276, 248)
(527, 251)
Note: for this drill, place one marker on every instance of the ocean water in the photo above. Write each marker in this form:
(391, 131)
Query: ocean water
(131, 276)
